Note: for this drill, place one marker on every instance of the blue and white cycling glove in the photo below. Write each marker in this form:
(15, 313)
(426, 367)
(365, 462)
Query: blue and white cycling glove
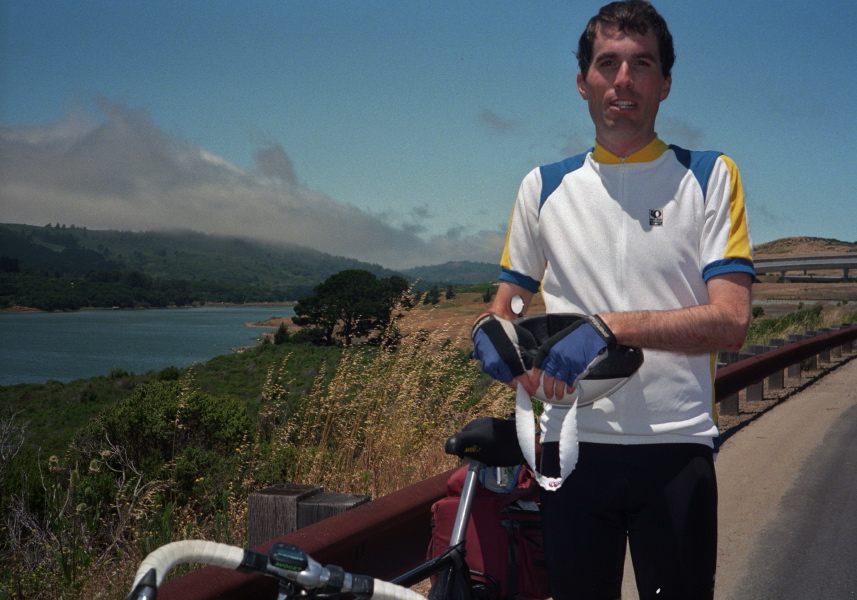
(503, 348)
(575, 350)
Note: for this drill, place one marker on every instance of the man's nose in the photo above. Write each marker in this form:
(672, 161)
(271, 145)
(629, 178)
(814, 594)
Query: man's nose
(624, 77)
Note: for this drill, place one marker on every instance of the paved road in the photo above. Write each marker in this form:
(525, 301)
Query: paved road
(788, 499)
(809, 550)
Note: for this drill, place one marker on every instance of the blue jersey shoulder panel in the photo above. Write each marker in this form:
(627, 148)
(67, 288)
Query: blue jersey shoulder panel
(700, 162)
(528, 283)
(552, 175)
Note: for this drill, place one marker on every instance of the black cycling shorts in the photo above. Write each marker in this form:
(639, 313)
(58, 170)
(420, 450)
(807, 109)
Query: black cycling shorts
(659, 499)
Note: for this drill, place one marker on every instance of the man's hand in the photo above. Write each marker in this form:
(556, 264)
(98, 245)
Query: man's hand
(501, 347)
(569, 354)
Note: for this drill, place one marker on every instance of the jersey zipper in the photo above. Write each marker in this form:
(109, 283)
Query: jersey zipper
(621, 247)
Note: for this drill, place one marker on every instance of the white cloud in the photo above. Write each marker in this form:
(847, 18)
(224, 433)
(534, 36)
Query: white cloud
(123, 172)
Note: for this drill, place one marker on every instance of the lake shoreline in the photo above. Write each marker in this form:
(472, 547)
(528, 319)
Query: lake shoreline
(66, 346)
(17, 309)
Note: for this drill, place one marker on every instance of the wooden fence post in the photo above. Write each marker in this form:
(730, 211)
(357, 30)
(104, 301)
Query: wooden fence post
(776, 381)
(283, 508)
(756, 391)
(805, 365)
(728, 406)
(327, 504)
(848, 347)
(273, 511)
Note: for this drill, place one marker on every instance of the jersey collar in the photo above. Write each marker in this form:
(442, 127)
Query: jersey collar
(651, 152)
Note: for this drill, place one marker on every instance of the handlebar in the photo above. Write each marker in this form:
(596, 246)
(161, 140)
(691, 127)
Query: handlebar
(296, 571)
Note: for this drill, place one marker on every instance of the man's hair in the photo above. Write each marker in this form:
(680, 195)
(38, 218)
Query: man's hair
(629, 16)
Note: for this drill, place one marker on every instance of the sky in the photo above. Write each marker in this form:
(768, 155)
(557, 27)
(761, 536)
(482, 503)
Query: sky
(394, 132)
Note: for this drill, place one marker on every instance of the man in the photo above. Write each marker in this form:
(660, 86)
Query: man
(653, 240)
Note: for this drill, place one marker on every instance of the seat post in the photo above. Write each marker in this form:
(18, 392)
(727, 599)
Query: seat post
(462, 517)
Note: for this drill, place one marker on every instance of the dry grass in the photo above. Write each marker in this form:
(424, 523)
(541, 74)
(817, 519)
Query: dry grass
(379, 423)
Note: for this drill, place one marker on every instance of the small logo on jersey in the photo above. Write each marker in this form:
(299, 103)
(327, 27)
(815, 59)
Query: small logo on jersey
(656, 217)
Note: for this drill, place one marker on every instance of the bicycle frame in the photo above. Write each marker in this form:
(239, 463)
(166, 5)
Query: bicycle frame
(485, 442)
(453, 574)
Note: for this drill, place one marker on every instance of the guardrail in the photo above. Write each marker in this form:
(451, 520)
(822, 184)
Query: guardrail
(389, 536)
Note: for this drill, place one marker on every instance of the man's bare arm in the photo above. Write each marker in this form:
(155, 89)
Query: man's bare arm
(501, 305)
(719, 325)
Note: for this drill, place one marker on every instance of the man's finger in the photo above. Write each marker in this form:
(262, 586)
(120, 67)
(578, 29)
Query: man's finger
(527, 383)
(549, 383)
(535, 378)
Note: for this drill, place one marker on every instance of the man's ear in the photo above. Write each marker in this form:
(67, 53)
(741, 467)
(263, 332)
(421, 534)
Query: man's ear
(581, 86)
(668, 82)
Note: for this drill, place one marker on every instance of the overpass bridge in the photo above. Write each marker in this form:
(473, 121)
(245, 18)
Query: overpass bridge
(831, 262)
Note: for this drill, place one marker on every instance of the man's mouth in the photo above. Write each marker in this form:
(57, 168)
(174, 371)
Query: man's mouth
(624, 104)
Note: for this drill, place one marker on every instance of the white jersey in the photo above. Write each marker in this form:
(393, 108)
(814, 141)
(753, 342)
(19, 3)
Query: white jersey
(596, 233)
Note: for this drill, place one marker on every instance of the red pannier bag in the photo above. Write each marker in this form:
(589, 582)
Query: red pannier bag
(503, 542)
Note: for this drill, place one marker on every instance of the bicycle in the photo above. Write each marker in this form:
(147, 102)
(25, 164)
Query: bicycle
(486, 443)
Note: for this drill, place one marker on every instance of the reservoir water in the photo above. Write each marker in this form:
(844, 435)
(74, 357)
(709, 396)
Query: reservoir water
(36, 347)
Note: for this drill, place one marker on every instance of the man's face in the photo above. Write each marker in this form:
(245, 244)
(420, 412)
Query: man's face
(624, 88)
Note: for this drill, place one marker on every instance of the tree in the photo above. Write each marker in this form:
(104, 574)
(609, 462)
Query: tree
(350, 304)
(432, 296)
(282, 335)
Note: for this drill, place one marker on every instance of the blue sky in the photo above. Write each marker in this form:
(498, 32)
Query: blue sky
(394, 132)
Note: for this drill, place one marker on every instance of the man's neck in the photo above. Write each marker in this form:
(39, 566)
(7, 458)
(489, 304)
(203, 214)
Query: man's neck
(623, 147)
(652, 151)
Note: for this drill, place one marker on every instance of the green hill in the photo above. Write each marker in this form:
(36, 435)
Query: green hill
(456, 273)
(289, 270)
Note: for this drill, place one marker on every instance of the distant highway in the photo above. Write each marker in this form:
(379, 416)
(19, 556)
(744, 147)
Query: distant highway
(832, 262)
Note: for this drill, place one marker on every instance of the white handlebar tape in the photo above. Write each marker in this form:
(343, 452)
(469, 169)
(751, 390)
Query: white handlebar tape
(189, 551)
(384, 590)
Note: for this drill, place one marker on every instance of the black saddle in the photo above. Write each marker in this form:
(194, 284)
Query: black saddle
(489, 440)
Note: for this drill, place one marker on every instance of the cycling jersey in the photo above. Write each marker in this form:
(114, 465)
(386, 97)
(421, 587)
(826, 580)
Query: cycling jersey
(596, 233)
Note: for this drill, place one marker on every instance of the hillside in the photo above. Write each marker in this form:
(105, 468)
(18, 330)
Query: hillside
(803, 246)
(193, 256)
(456, 273)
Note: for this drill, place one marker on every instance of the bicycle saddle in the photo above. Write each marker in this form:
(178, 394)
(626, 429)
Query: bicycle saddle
(489, 440)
